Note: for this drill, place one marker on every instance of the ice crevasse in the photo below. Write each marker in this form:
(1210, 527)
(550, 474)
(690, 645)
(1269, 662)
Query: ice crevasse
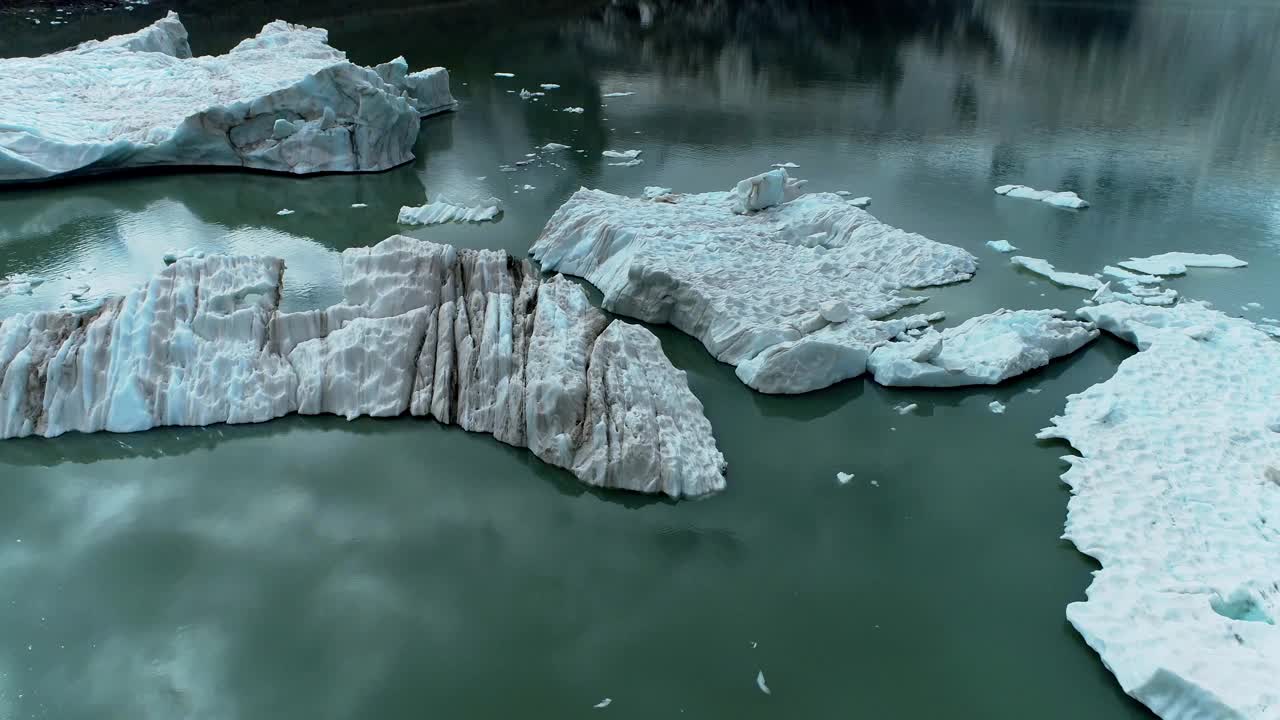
(283, 101)
(474, 338)
(1176, 492)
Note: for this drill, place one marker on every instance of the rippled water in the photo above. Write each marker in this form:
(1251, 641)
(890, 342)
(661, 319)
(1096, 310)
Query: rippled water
(315, 568)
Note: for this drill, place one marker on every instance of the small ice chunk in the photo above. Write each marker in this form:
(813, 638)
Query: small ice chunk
(1035, 391)
(359, 205)
(653, 192)
(788, 165)
(1253, 305)
(525, 94)
(617, 94)
(843, 193)
(876, 483)
(843, 478)
(285, 211)
(1129, 277)
(554, 147)
(905, 409)
(1065, 199)
(996, 407)
(528, 187)
(577, 110)
(603, 703)
(760, 683)
(1001, 246)
(1070, 279)
(444, 210)
(549, 86)
(504, 74)
(764, 191)
(834, 311)
(506, 168)
(627, 163)
(861, 202)
(621, 154)
(1176, 263)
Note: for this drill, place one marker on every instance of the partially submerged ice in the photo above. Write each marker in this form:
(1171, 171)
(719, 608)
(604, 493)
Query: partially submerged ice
(443, 210)
(1064, 199)
(469, 337)
(1176, 492)
(786, 287)
(1176, 263)
(1045, 268)
(283, 101)
(984, 350)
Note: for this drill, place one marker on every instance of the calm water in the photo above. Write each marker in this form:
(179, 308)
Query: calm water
(315, 568)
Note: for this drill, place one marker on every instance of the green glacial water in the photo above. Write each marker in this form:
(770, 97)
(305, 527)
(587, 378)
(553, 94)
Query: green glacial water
(317, 568)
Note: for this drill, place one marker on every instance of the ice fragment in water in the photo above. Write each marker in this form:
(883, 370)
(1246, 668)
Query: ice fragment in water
(1001, 246)
(760, 683)
(996, 407)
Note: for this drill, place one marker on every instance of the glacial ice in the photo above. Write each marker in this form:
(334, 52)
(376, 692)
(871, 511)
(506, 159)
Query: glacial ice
(753, 286)
(1001, 246)
(468, 337)
(1045, 268)
(443, 210)
(1176, 263)
(1137, 295)
(283, 101)
(1065, 199)
(1176, 493)
(984, 350)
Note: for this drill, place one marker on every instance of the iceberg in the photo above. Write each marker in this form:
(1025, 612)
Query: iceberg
(283, 101)
(444, 210)
(789, 290)
(1065, 199)
(621, 154)
(1176, 263)
(553, 147)
(1001, 246)
(1137, 295)
(984, 350)
(1176, 492)
(468, 337)
(1045, 268)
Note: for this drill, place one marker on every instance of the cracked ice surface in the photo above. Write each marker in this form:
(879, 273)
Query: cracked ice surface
(984, 350)
(789, 294)
(283, 100)
(469, 337)
(1177, 494)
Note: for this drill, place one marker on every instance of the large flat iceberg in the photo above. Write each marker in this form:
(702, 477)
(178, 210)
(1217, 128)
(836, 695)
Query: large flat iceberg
(1045, 268)
(1064, 199)
(469, 337)
(1176, 492)
(1176, 263)
(283, 101)
(787, 289)
(984, 350)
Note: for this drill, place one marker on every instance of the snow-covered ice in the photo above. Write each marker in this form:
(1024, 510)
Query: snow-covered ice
(984, 350)
(1066, 199)
(1001, 246)
(470, 337)
(283, 101)
(443, 210)
(1045, 268)
(760, 289)
(1176, 493)
(1176, 263)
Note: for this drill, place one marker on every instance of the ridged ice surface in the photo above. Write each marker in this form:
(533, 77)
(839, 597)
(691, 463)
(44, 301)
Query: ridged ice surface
(469, 337)
(284, 101)
(984, 350)
(443, 210)
(789, 293)
(1177, 494)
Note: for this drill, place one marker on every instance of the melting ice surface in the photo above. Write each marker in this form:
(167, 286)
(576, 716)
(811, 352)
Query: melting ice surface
(468, 337)
(283, 100)
(1176, 492)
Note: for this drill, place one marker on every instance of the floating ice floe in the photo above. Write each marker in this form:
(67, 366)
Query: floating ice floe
(1001, 246)
(617, 94)
(787, 165)
(786, 287)
(525, 94)
(172, 256)
(843, 478)
(984, 350)
(1130, 277)
(1176, 263)
(549, 86)
(359, 205)
(1137, 295)
(504, 75)
(906, 409)
(554, 147)
(627, 163)
(283, 101)
(576, 110)
(1066, 199)
(861, 202)
(444, 210)
(1045, 268)
(469, 337)
(285, 211)
(761, 684)
(621, 154)
(996, 407)
(603, 703)
(1176, 493)
(19, 284)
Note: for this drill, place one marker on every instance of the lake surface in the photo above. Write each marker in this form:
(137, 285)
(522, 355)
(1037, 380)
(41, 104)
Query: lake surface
(318, 568)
